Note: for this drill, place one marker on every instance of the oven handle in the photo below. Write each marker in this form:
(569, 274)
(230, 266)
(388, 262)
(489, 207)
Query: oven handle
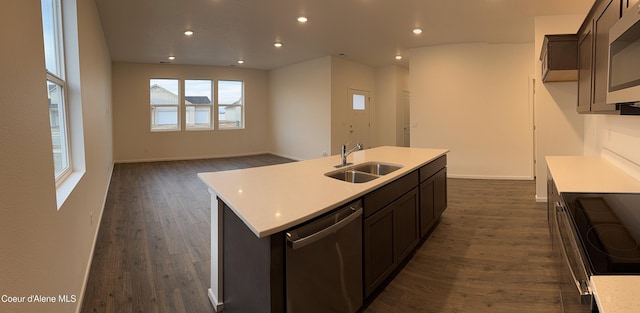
(581, 284)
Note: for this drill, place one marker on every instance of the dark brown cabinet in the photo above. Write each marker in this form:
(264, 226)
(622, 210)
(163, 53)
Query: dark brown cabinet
(397, 216)
(593, 56)
(627, 5)
(559, 57)
(390, 235)
(585, 67)
(433, 200)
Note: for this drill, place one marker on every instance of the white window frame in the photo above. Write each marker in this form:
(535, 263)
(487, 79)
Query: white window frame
(59, 79)
(241, 105)
(210, 106)
(153, 110)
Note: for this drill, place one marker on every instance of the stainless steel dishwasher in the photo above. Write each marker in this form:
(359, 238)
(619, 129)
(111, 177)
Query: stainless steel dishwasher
(324, 263)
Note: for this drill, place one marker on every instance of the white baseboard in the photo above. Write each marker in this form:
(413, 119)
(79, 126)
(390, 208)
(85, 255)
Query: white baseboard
(489, 177)
(93, 247)
(220, 156)
(217, 305)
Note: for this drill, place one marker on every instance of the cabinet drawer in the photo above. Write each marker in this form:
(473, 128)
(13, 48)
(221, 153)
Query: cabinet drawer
(379, 198)
(432, 167)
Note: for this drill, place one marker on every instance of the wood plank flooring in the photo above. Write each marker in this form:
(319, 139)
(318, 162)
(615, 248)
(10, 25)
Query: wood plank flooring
(153, 248)
(491, 251)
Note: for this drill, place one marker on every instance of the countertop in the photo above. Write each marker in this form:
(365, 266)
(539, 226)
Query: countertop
(590, 174)
(617, 294)
(271, 199)
(614, 294)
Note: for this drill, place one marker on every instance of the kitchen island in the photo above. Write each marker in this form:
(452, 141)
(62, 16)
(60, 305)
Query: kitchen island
(269, 200)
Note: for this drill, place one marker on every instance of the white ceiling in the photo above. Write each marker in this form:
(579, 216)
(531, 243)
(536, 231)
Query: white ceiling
(371, 32)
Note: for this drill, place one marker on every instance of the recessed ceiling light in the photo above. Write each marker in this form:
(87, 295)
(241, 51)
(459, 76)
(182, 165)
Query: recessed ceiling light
(171, 57)
(417, 31)
(240, 61)
(277, 44)
(188, 33)
(398, 57)
(302, 19)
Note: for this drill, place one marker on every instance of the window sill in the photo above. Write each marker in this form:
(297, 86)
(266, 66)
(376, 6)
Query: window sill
(66, 187)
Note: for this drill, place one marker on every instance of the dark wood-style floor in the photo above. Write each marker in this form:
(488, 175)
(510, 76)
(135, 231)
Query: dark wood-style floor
(491, 251)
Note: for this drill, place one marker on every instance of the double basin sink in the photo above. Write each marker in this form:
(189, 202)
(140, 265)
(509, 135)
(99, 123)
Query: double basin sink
(362, 173)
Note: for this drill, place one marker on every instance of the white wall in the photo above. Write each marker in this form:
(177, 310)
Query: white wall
(475, 100)
(133, 141)
(616, 138)
(391, 82)
(347, 74)
(45, 251)
(560, 129)
(300, 113)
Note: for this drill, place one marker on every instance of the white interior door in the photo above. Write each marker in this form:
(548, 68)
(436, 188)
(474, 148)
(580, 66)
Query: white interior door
(359, 117)
(406, 119)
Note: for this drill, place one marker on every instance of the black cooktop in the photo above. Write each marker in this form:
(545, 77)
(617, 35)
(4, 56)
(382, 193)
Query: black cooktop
(608, 225)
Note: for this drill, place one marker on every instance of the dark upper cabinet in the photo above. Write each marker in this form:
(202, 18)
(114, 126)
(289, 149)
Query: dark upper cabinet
(593, 57)
(559, 57)
(627, 4)
(585, 67)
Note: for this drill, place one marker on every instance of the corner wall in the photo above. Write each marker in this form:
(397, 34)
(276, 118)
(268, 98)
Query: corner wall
(559, 127)
(45, 251)
(300, 114)
(391, 83)
(475, 99)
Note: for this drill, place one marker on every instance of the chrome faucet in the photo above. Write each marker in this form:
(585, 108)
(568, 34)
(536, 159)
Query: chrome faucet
(344, 153)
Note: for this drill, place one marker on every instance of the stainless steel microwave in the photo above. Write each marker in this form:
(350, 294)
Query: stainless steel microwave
(624, 59)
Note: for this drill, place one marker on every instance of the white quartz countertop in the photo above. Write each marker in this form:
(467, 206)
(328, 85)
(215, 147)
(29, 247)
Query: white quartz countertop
(590, 174)
(614, 294)
(617, 294)
(274, 198)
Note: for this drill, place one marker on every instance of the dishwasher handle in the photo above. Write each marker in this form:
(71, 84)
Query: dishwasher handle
(307, 240)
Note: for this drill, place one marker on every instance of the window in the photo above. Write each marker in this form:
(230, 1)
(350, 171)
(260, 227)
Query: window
(230, 104)
(164, 99)
(359, 102)
(198, 104)
(56, 86)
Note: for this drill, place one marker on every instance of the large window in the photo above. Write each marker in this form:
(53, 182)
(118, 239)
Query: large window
(198, 104)
(56, 86)
(164, 98)
(230, 104)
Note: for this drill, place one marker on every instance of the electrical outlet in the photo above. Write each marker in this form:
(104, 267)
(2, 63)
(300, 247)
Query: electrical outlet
(90, 218)
(324, 153)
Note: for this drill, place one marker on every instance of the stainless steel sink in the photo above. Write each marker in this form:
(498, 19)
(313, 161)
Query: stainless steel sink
(362, 173)
(376, 168)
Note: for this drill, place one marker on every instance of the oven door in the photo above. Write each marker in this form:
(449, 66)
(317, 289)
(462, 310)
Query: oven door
(573, 274)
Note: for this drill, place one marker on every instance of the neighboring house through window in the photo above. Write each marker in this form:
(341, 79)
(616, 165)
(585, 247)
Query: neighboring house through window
(198, 104)
(230, 104)
(164, 97)
(56, 86)
(164, 104)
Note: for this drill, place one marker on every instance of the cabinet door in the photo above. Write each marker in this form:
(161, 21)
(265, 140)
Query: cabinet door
(433, 200)
(585, 68)
(378, 248)
(628, 4)
(585, 54)
(440, 192)
(427, 206)
(606, 16)
(405, 225)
